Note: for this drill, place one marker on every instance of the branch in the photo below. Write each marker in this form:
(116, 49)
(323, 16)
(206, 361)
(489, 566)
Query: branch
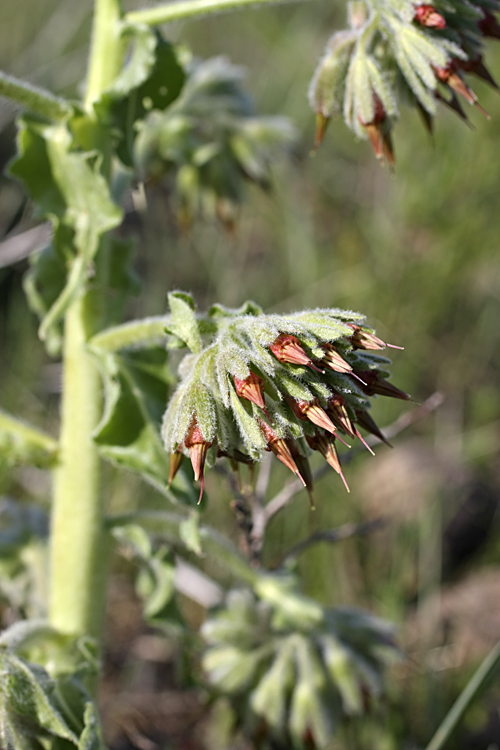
(190, 8)
(346, 531)
(410, 417)
(33, 98)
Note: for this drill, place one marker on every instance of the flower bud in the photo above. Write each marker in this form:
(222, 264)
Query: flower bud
(252, 388)
(427, 15)
(333, 360)
(378, 131)
(176, 458)
(339, 414)
(287, 348)
(450, 76)
(488, 25)
(198, 447)
(325, 444)
(326, 92)
(374, 383)
(365, 421)
(279, 447)
(313, 412)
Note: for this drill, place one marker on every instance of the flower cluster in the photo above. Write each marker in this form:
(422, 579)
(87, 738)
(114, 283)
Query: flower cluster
(399, 50)
(290, 384)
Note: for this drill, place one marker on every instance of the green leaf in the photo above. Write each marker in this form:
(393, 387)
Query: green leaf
(136, 388)
(28, 696)
(183, 323)
(151, 80)
(43, 283)
(69, 190)
(90, 738)
(21, 443)
(115, 280)
(155, 581)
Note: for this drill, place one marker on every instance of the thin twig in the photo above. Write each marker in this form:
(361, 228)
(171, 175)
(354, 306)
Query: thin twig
(411, 417)
(346, 531)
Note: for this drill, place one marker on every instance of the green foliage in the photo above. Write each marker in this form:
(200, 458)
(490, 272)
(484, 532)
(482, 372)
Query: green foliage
(38, 710)
(21, 443)
(211, 140)
(155, 579)
(136, 388)
(69, 190)
(151, 80)
(299, 681)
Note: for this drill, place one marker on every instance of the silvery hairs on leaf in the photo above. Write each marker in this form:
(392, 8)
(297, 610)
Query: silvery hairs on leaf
(290, 384)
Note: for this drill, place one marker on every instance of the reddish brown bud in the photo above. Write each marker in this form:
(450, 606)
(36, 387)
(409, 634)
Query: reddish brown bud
(287, 348)
(321, 126)
(338, 412)
(304, 468)
(279, 447)
(312, 411)
(367, 423)
(362, 339)
(427, 15)
(175, 463)
(198, 448)
(450, 77)
(325, 444)
(374, 383)
(488, 25)
(333, 360)
(477, 68)
(252, 388)
(379, 133)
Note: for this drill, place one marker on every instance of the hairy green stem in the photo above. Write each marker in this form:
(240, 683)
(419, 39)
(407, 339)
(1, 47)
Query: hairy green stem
(33, 98)
(79, 542)
(78, 568)
(107, 49)
(180, 9)
(475, 685)
(136, 333)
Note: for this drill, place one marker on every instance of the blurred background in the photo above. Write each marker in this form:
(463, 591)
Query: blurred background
(418, 253)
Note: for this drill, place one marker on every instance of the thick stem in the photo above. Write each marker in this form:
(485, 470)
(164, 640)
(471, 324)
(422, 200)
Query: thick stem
(107, 49)
(180, 9)
(78, 565)
(80, 543)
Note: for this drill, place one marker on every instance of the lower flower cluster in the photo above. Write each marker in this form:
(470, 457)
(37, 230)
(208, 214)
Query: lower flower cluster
(290, 384)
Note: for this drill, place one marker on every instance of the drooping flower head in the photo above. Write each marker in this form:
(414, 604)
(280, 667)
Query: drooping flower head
(401, 52)
(290, 384)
